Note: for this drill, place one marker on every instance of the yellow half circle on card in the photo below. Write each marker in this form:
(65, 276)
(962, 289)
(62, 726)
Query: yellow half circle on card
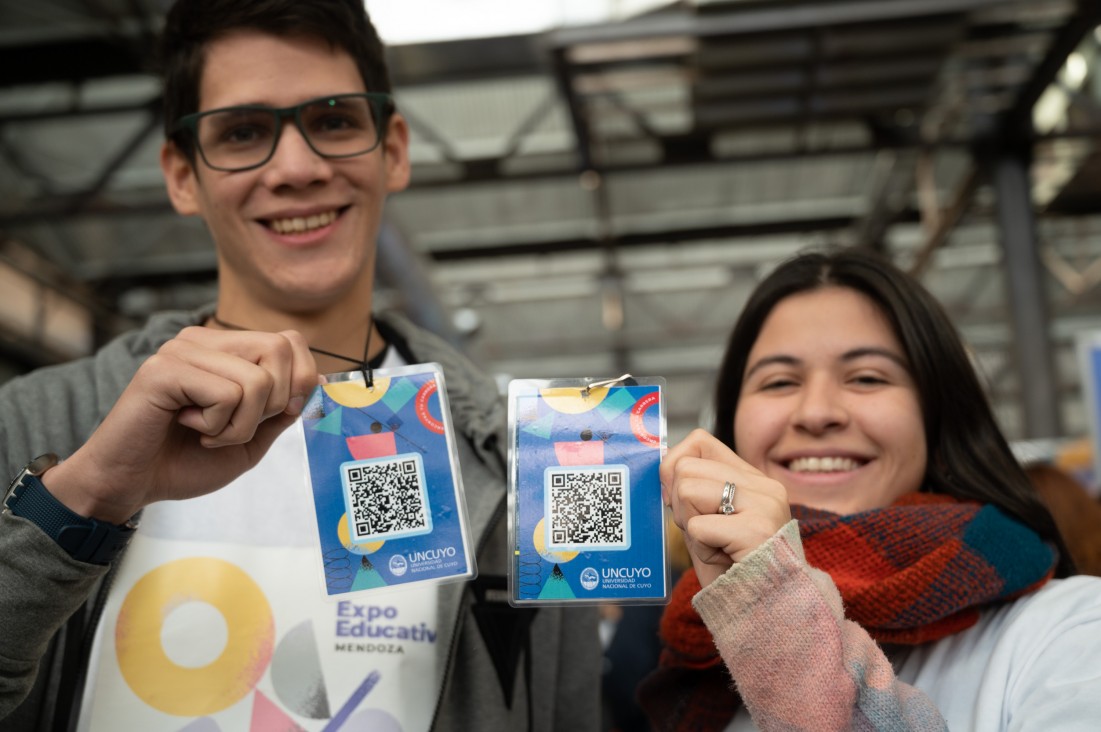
(569, 400)
(345, 535)
(538, 539)
(354, 394)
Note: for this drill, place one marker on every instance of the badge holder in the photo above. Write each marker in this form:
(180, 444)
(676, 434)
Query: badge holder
(586, 518)
(387, 490)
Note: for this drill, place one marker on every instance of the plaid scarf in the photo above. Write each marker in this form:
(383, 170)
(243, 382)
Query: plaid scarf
(914, 572)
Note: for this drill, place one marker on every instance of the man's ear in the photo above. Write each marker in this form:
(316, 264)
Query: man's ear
(395, 150)
(180, 179)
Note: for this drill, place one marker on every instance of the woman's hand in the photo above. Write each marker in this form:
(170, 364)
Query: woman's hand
(693, 475)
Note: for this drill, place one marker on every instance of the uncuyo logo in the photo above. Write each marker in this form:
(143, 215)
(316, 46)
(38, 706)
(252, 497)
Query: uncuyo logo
(398, 565)
(589, 578)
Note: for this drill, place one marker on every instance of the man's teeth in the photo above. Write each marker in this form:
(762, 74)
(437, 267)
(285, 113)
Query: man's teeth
(303, 223)
(822, 465)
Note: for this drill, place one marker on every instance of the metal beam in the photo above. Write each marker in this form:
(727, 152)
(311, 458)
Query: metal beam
(1017, 122)
(1028, 302)
(622, 240)
(68, 61)
(889, 197)
(1014, 129)
(563, 76)
(16, 118)
(766, 20)
(961, 201)
(116, 162)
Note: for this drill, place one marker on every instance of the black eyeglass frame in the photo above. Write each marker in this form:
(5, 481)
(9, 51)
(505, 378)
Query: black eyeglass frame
(381, 103)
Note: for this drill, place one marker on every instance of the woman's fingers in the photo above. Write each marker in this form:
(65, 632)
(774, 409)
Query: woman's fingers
(697, 475)
(732, 536)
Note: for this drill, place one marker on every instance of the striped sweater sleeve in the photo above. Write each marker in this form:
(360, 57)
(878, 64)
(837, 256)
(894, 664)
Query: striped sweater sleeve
(797, 662)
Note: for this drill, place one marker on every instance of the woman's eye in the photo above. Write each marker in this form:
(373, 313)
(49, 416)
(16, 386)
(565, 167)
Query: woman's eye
(777, 384)
(869, 379)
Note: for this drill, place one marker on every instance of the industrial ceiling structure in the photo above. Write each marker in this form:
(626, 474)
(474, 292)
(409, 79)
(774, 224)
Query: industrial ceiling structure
(600, 199)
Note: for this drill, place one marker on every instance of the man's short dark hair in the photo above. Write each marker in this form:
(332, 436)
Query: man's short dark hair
(191, 25)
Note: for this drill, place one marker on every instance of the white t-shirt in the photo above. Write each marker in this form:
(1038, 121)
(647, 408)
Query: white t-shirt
(217, 620)
(1033, 664)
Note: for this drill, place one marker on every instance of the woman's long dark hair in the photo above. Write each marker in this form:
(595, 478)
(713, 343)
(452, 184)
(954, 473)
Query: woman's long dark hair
(968, 457)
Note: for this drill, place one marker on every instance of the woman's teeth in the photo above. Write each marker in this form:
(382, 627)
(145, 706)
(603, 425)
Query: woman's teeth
(822, 465)
(303, 223)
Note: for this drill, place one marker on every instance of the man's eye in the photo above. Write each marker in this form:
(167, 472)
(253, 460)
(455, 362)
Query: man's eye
(243, 135)
(337, 123)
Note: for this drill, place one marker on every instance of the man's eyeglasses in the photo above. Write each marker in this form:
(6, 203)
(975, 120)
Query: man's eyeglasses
(241, 138)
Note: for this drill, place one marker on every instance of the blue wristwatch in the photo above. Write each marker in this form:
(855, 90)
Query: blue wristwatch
(85, 539)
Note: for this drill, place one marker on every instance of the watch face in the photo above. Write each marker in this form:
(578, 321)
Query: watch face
(41, 464)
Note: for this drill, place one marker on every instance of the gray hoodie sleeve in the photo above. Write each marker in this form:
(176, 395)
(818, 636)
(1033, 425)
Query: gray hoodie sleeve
(54, 409)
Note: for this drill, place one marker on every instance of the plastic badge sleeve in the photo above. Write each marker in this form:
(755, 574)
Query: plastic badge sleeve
(586, 519)
(387, 489)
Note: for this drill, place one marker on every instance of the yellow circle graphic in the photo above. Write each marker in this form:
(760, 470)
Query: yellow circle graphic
(193, 692)
(540, 542)
(570, 400)
(354, 394)
(345, 535)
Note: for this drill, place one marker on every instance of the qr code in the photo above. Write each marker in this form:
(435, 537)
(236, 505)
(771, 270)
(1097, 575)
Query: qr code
(587, 508)
(386, 498)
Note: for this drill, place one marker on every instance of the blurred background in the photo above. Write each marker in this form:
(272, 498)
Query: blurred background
(598, 184)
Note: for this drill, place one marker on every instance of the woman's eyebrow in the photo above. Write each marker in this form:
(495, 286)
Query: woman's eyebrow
(850, 355)
(856, 353)
(767, 360)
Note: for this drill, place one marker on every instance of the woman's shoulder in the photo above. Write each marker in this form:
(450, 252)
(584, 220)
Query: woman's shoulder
(1021, 656)
(1072, 597)
(1081, 591)
(1045, 628)
(1062, 611)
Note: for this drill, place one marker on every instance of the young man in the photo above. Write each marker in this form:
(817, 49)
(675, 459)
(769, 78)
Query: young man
(212, 618)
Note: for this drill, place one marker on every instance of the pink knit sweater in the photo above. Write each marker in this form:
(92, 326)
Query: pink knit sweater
(797, 663)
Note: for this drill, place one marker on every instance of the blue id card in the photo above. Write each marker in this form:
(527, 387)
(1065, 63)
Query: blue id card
(586, 519)
(387, 490)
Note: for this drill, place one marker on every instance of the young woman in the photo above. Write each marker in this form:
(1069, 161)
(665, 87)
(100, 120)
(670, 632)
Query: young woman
(867, 552)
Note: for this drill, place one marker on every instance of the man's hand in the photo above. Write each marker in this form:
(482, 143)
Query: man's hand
(197, 414)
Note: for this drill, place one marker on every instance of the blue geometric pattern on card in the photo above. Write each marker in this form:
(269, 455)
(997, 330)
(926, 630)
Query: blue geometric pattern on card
(557, 587)
(399, 394)
(330, 422)
(615, 404)
(541, 427)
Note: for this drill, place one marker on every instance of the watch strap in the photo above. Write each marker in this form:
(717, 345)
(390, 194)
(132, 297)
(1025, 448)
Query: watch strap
(84, 539)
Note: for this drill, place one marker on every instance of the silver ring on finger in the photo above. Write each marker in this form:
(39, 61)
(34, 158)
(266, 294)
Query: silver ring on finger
(726, 504)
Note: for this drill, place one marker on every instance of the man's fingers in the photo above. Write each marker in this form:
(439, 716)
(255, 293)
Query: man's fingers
(282, 357)
(303, 377)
